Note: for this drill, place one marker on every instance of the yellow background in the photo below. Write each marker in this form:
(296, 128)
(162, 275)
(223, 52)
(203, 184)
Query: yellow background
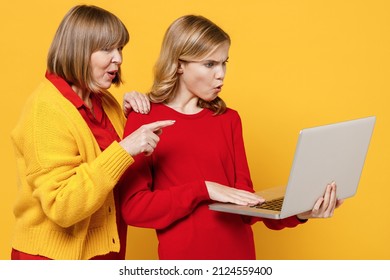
(293, 64)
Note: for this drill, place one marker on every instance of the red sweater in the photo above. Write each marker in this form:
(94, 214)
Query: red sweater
(166, 191)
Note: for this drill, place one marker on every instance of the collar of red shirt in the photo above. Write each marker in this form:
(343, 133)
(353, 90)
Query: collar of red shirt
(65, 89)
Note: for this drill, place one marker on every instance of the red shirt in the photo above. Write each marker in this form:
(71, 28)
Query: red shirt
(105, 134)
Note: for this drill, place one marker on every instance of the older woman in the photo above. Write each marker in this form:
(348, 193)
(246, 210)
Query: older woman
(69, 148)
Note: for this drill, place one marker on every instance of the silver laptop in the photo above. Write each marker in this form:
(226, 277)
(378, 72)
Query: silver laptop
(334, 152)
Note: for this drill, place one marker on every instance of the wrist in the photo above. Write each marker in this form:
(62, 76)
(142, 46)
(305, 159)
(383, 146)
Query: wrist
(301, 219)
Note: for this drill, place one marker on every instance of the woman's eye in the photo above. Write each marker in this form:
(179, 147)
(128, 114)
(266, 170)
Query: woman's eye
(110, 49)
(209, 64)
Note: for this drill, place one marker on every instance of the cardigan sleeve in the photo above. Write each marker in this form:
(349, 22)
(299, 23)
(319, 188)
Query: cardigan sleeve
(65, 169)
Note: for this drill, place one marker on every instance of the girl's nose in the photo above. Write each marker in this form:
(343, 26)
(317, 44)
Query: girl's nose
(221, 70)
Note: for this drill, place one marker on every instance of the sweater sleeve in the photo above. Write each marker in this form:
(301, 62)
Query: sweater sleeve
(243, 180)
(65, 169)
(289, 222)
(242, 174)
(143, 206)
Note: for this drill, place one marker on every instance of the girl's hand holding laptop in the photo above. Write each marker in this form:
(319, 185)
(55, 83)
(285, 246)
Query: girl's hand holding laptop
(325, 205)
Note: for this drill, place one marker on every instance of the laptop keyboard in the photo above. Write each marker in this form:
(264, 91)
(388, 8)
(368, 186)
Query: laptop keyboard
(275, 204)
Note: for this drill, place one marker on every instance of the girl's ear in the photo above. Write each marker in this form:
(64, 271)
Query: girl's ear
(179, 69)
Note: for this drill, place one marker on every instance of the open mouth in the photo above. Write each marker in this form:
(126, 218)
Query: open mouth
(219, 88)
(112, 74)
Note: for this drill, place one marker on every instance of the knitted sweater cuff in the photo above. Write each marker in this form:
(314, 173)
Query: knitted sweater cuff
(115, 160)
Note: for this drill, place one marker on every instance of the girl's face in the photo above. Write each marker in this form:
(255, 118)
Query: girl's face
(204, 78)
(105, 65)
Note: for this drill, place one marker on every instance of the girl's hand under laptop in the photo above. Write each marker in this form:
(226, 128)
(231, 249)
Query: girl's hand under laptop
(221, 193)
(325, 205)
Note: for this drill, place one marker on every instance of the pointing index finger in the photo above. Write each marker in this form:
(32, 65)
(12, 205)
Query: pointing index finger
(155, 126)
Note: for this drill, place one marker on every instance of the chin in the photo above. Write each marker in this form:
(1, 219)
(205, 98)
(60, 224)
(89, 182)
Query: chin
(213, 98)
(106, 86)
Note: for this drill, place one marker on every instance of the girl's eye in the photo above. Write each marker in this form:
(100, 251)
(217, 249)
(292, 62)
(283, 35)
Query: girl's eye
(209, 64)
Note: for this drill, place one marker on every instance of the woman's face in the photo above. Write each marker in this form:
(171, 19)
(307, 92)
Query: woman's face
(105, 65)
(204, 78)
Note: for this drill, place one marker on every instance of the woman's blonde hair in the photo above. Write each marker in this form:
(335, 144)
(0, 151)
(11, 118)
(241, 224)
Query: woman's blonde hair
(84, 30)
(188, 38)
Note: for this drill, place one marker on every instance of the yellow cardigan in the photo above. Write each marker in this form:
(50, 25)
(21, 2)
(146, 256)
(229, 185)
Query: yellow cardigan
(65, 207)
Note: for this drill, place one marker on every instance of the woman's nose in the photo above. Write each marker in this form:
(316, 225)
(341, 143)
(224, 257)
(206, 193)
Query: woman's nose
(117, 56)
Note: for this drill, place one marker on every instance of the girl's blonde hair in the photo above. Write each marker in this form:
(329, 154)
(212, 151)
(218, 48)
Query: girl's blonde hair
(84, 30)
(188, 38)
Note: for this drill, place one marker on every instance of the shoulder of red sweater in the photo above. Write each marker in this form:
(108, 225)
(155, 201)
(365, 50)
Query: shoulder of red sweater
(232, 113)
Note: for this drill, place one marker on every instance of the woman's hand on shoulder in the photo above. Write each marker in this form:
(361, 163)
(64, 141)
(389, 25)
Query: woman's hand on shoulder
(135, 101)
